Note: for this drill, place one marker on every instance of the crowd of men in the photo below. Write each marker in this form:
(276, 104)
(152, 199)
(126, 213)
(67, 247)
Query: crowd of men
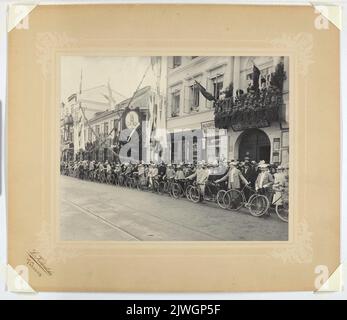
(268, 179)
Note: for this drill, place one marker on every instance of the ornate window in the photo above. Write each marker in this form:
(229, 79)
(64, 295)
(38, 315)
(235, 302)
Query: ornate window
(175, 103)
(194, 98)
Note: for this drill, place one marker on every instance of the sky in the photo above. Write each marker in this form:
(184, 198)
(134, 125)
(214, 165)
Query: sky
(124, 74)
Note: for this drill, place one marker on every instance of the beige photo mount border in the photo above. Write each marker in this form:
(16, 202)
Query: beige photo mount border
(202, 266)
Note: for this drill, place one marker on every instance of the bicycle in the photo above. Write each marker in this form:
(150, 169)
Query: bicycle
(102, 175)
(281, 204)
(195, 193)
(165, 186)
(257, 204)
(180, 188)
(108, 177)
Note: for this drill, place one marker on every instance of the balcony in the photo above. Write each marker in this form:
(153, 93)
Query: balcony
(254, 109)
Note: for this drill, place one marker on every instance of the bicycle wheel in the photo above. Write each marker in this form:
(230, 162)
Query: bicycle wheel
(162, 187)
(176, 190)
(155, 186)
(220, 199)
(194, 194)
(282, 211)
(188, 192)
(258, 205)
(233, 199)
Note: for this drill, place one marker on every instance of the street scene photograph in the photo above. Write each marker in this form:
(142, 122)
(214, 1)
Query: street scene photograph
(174, 148)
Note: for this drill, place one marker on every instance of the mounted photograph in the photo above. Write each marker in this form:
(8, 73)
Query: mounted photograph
(174, 148)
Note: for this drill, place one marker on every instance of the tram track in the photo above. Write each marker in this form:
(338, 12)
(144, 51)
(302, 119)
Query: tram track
(102, 219)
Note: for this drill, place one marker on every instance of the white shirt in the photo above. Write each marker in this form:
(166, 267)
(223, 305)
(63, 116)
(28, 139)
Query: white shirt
(261, 180)
(231, 175)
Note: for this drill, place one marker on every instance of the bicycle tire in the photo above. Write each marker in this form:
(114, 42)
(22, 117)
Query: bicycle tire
(220, 199)
(258, 205)
(282, 211)
(233, 199)
(194, 194)
(188, 192)
(155, 186)
(176, 190)
(162, 187)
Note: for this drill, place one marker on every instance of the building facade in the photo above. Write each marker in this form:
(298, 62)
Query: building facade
(191, 118)
(109, 129)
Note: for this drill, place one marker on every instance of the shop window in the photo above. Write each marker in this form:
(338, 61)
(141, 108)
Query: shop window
(212, 147)
(195, 149)
(172, 147)
(183, 149)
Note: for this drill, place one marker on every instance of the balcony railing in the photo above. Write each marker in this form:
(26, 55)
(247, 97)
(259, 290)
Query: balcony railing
(254, 109)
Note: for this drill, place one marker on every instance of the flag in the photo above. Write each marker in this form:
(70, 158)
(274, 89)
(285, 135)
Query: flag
(72, 97)
(110, 95)
(255, 77)
(205, 93)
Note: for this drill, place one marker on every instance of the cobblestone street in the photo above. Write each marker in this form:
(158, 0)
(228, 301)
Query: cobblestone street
(93, 211)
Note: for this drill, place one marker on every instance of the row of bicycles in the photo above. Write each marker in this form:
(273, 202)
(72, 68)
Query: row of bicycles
(258, 203)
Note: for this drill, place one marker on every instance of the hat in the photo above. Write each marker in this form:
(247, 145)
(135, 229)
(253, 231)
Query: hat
(263, 165)
(233, 163)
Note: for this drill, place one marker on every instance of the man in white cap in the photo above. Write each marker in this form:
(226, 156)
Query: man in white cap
(152, 173)
(202, 173)
(234, 177)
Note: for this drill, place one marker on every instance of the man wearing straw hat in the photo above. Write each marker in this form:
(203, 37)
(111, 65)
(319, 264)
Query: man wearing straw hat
(202, 173)
(234, 177)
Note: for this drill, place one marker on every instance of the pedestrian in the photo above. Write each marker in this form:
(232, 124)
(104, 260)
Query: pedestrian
(233, 176)
(179, 173)
(201, 174)
(279, 185)
(170, 172)
(264, 181)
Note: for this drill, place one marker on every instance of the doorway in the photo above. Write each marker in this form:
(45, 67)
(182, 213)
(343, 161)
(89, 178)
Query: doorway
(254, 144)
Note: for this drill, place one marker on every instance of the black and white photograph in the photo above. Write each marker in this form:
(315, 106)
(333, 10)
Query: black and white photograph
(174, 148)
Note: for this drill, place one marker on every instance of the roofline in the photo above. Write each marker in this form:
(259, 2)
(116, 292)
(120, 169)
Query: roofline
(107, 113)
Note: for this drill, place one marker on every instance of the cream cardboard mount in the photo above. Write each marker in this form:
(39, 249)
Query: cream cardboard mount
(17, 280)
